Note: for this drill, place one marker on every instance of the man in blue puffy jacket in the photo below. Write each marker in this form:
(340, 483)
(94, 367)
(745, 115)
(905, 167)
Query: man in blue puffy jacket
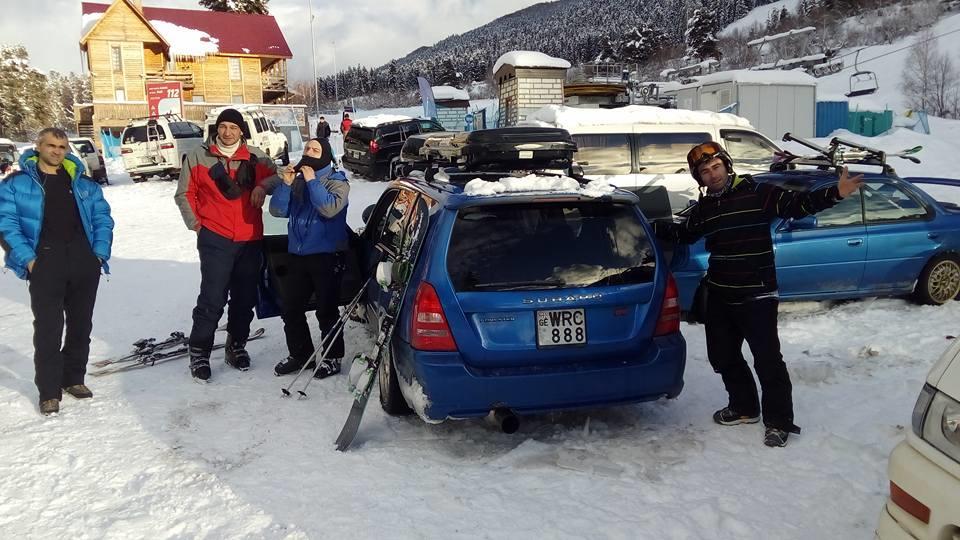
(314, 198)
(57, 232)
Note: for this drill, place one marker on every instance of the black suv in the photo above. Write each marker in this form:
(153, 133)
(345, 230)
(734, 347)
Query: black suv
(371, 150)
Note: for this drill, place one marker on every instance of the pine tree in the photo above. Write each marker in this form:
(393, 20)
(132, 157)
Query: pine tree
(447, 74)
(609, 52)
(216, 5)
(641, 43)
(700, 38)
(258, 7)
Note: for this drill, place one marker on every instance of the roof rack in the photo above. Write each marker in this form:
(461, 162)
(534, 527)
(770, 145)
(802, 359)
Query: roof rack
(839, 153)
(500, 152)
(171, 117)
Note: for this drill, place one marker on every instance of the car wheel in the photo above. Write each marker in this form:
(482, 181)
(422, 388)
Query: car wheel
(138, 179)
(391, 399)
(940, 280)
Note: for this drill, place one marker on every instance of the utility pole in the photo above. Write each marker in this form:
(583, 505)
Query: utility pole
(313, 51)
(336, 71)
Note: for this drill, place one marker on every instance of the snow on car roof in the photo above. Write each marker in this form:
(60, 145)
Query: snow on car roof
(449, 93)
(378, 119)
(529, 59)
(572, 117)
(479, 187)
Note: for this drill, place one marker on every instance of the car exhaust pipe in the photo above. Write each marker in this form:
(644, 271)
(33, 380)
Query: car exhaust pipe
(506, 420)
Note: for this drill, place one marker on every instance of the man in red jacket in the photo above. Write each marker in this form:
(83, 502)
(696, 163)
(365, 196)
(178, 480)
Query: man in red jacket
(345, 124)
(223, 184)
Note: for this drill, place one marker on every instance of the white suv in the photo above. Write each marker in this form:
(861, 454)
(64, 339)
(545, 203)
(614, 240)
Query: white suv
(92, 157)
(262, 133)
(924, 469)
(157, 146)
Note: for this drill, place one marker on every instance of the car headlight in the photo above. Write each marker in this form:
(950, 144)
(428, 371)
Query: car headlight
(936, 419)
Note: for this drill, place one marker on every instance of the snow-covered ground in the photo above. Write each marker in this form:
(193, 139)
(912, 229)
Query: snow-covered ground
(156, 455)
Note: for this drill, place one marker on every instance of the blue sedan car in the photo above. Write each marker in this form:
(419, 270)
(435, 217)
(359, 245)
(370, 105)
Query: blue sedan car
(891, 238)
(524, 302)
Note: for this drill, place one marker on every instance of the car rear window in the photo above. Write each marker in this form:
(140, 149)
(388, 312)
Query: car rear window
(85, 146)
(138, 134)
(547, 246)
(185, 130)
(361, 134)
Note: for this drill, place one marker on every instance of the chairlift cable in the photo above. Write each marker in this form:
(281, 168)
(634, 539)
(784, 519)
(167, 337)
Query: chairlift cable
(893, 51)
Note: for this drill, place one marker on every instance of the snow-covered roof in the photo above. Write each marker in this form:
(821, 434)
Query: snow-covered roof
(87, 20)
(449, 93)
(377, 119)
(794, 77)
(536, 183)
(186, 41)
(529, 59)
(572, 117)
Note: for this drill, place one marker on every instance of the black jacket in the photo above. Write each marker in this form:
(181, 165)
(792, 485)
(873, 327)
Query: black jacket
(323, 130)
(736, 225)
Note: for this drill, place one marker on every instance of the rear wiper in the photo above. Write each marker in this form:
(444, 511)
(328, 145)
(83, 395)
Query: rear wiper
(521, 285)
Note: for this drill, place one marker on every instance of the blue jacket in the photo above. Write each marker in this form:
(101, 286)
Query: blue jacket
(318, 222)
(21, 213)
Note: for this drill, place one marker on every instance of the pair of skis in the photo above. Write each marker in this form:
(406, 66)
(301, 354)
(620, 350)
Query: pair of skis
(164, 351)
(363, 371)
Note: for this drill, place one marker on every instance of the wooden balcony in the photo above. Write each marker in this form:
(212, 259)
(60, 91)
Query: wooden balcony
(184, 77)
(274, 82)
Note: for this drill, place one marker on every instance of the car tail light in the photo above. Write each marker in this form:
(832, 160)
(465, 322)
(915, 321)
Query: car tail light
(166, 146)
(374, 147)
(126, 150)
(429, 330)
(906, 501)
(669, 320)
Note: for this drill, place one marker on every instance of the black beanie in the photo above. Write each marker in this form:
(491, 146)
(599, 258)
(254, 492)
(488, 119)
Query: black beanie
(233, 116)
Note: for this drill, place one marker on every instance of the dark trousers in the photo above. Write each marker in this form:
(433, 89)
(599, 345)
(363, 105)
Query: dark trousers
(727, 326)
(225, 267)
(63, 289)
(318, 275)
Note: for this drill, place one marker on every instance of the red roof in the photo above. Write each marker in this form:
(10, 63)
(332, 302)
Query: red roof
(239, 33)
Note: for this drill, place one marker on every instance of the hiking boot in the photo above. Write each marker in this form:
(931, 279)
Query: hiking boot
(729, 417)
(289, 365)
(327, 367)
(235, 354)
(79, 391)
(775, 437)
(50, 407)
(199, 364)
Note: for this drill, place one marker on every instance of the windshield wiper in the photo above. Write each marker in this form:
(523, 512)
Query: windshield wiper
(521, 285)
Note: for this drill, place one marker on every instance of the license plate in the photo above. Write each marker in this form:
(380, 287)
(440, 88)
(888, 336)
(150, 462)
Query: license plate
(561, 327)
(355, 153)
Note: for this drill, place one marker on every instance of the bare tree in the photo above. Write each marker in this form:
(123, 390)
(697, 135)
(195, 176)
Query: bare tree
(930, 79)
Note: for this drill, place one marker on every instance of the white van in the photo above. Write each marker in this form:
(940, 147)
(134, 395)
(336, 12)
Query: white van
(636, 147)
(924, 469)
(157, 146)
(263, 134)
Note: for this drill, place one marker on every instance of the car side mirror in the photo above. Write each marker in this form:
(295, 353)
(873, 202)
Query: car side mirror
(365, 216)
(802, 224)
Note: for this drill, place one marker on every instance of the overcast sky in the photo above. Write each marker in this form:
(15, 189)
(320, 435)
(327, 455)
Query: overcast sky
(367, 32)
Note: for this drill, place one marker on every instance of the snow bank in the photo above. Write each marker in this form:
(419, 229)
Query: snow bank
(560, 184)
(377, 119)
(757, 17)
(186, 41)
(571, 117)
(449, 93)
(529, 59)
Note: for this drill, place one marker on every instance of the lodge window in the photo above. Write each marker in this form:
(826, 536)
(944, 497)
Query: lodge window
(116, 59)
(234, 69)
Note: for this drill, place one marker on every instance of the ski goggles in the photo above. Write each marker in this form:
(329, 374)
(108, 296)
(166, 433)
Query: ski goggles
(703, 153)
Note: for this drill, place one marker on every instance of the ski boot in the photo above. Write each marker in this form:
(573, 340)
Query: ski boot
(199, 364)
(235, 354)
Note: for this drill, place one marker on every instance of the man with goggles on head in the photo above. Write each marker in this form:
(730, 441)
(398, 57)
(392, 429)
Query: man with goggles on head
(733, 213)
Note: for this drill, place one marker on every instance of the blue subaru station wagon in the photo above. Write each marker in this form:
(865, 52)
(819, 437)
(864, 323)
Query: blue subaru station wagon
(532, 291)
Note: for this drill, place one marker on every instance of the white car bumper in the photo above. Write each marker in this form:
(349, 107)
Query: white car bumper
(935, 485)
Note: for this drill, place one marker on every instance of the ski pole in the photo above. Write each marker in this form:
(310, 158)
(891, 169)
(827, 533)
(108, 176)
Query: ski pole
(342, 321)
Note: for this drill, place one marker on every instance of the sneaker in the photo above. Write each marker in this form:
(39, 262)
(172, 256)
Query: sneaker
(290, 365)
(328, 367)
(199, 364)
(774, 437)
(79, 391)
(235, 354)
(729, 417)
(50, 407)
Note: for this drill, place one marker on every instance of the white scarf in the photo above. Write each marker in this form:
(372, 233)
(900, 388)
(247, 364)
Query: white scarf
(227, 151)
